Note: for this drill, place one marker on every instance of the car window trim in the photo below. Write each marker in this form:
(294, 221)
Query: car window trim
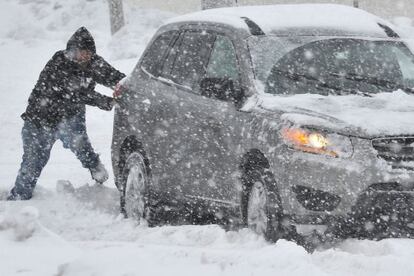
(194, 27)
(184, 88)
(178, 41)
(173, 40)
(165, 80)
(177, 38)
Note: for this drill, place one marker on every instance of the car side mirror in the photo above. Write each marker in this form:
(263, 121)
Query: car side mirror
(221, 89)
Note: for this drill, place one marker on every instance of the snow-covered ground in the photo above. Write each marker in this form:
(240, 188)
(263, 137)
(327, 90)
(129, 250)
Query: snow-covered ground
(82, 234)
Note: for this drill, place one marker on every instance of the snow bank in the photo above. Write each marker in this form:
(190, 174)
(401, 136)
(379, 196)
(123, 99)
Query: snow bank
(98, 242)
(23, 224)
(27, 247)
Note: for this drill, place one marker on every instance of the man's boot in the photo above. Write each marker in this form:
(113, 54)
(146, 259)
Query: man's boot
(14, 195)
(99, 173)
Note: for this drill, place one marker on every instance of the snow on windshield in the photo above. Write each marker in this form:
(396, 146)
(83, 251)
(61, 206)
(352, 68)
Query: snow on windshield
(382, 114)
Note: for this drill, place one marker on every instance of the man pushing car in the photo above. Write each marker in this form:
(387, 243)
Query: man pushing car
(56, 111)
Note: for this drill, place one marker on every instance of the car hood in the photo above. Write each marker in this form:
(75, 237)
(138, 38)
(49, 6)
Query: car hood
(383, 114)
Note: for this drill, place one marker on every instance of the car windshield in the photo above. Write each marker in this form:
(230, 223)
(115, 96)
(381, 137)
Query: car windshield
(335, 65)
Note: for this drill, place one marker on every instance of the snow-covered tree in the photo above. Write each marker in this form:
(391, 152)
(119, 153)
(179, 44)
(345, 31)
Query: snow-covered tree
(116, 14)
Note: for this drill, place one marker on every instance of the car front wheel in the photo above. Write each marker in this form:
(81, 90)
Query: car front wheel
(135, 186)
(261, 206)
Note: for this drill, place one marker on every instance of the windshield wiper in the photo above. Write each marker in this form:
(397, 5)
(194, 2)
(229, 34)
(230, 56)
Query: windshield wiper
(374, 81)
(368, 79)
(322, 84)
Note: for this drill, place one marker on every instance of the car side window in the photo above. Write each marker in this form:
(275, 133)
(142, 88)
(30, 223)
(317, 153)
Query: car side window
(222, 81)
(187, 61)
(155, 53)
(223, 60)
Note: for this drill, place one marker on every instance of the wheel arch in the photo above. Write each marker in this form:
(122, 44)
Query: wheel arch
(254, 159)
(129, 145)
(255, 165)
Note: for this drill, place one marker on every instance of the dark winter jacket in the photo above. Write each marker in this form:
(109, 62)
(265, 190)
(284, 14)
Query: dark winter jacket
(65, 87)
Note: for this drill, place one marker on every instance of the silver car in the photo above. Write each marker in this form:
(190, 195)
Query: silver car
(270, 117)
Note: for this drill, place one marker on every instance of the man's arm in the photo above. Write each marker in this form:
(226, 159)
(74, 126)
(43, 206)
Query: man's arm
(104, 74)
(90, 97)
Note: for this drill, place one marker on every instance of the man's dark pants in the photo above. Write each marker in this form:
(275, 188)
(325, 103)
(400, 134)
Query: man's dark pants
(37, 144)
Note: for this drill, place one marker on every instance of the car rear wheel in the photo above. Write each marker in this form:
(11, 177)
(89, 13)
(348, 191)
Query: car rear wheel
(135, 187)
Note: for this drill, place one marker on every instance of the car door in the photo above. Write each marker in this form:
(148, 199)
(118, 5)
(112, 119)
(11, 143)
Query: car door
(213, 144)
(149, 113)
(166, 107)
(195, 152)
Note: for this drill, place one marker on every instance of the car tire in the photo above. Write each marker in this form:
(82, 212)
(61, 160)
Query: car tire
(135, 188)
(261, 204)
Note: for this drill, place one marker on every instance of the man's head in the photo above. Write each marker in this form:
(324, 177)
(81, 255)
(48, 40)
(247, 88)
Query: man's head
(81, 46)
(82, 56)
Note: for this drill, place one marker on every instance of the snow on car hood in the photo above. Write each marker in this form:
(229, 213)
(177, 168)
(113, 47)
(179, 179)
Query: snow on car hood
(380, 115)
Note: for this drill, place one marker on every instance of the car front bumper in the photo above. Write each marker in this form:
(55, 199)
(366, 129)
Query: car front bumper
(317, 188)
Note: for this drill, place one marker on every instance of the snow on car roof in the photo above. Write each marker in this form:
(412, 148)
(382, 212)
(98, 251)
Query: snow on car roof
(274, 18)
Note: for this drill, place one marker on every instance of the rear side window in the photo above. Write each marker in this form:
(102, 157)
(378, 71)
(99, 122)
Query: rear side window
(187, 62)
(153, 57)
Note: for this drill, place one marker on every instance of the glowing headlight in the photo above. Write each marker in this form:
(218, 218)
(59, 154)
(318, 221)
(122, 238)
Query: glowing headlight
(317, 140)
(331, 144)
